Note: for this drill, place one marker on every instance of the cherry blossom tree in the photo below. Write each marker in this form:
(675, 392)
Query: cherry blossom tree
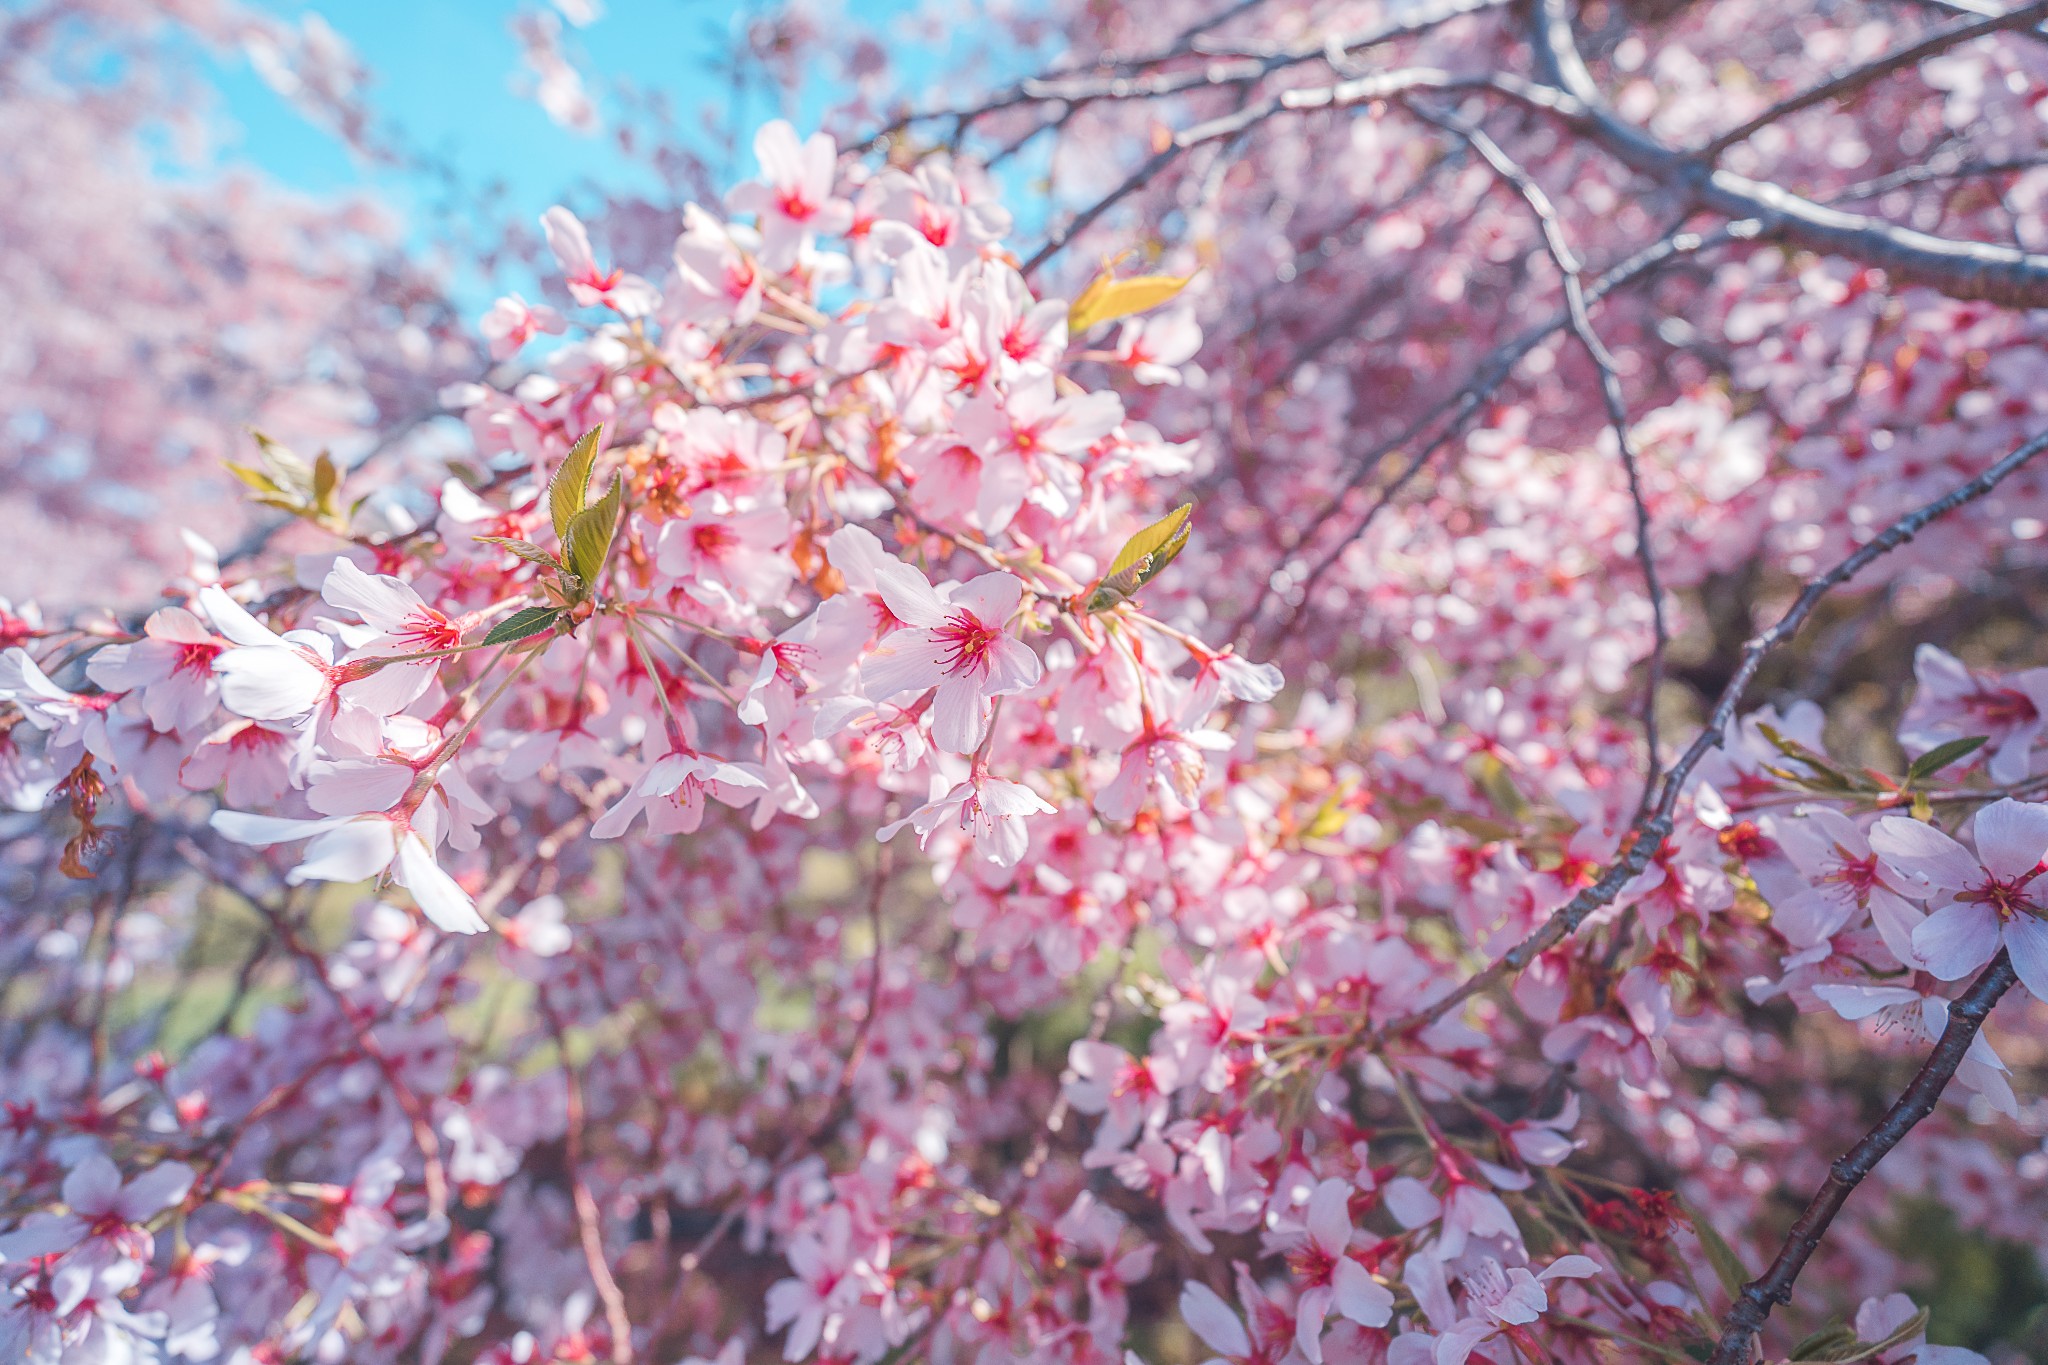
(1446, 592)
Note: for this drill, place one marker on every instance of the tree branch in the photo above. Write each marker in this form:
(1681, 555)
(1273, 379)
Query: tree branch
(1753, 1305)
(1962, 270)
(1848, 82)
(1649, 830)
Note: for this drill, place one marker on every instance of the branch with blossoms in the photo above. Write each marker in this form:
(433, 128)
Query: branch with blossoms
(1393, 999)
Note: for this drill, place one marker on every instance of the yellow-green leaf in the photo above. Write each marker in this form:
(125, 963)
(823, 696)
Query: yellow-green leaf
(570, 488)
(1728, 1267)
(525, 549)
(326, 478)
(1142, 557)
(590, 533)
(1107, 298)
(286, 469)
(255, 478)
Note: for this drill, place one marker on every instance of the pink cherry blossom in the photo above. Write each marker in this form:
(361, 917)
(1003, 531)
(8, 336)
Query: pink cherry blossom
(989, 809)
(958, 644)
(1985, 900)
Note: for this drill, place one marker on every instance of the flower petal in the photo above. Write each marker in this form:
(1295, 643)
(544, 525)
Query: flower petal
(1205, 1313)
(439, 897)
(1924, 853)
(353, 851)
(2011, 836)
(1957, 939)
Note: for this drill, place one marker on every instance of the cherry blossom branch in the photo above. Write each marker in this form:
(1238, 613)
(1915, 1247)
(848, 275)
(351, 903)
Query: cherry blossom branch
(1959, 269)
(1854, 79)
(1753, 1305)
(1649, 831)
(1581, 324)
(1074, 88)
(1485, 381)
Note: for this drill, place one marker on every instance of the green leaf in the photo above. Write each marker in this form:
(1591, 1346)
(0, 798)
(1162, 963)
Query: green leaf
(525, 549)
(1142, 557)
(1824, 1344)
(590, 533)
(1727, 1265)
(1941, 755)
(286, 468)
(570, 488)
(523, 624)
(1906, 1331)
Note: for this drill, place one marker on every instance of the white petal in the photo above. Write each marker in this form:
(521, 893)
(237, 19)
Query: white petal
(2011, 836)
(272, 683)
(380, 599)
(1210, 1318)
(233, 620)
(443, 901)
(1957, 939)
(2026, 940)
(1923, 852)
(353, 851)
(261, 831)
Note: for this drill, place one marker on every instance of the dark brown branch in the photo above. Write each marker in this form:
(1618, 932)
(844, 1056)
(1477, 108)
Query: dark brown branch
(1581, 322)
(1962, 270)
(1650, 830)
(1460, 407)
(1119, 83)
(1848, 82)
(1753, 1305)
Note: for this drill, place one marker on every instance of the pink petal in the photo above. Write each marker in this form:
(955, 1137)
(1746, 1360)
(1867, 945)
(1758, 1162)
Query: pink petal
(1329, 1217)
(93, 1186)
(906, 661)
(960, 716)
(1309, 1311)
(2026, 940)
(992, 597)
(2011, 836)
(1360, 1297)
(1570, 1268)
(1957, 939)
(1924, 853)
(909, 596)
(1210, 1318)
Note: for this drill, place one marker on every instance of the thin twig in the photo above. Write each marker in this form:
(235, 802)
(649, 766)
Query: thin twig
(1753, 1305)
(1649, 831)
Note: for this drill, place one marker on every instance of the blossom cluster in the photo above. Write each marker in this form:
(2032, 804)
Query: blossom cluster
(802, 845)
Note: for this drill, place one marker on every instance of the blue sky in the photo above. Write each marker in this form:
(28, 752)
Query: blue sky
(447, 73)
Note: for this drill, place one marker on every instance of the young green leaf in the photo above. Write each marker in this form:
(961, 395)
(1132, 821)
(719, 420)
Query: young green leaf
(1728, 1268)
(525, 549)
(1107, 298)
(570, 488)
(523, 624)
(589, 537)
(1941, 755)
(326, 478)
(1824, 1344)
(1142, 557)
